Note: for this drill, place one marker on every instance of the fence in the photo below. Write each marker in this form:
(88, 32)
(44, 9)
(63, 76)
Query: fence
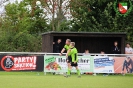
(52, 62)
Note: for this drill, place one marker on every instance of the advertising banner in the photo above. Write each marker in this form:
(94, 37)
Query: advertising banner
(58, 64)
(16, 63)
(103, 64)
(123, 64)
(95, 64)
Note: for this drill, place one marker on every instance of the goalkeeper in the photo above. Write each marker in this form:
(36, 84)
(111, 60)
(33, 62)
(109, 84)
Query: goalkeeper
(72, 52)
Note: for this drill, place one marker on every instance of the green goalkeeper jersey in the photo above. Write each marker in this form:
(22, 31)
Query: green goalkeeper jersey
(66, 47)
(73, 53)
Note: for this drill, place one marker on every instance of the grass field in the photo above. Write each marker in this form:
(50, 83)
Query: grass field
(33, 80)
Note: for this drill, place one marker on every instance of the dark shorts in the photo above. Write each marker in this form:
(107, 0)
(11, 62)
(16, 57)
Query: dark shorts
(74, 64)
(69, 59)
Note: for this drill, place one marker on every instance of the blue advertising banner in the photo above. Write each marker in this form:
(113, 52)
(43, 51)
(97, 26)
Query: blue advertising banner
(103, 64)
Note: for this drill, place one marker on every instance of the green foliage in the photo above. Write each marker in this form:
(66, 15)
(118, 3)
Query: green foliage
(22, 41)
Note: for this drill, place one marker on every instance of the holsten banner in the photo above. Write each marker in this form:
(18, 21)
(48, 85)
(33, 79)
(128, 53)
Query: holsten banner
(95, 64)
(16, 63)
(58, 64)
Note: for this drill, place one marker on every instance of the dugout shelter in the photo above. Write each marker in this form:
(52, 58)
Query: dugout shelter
(94, 41)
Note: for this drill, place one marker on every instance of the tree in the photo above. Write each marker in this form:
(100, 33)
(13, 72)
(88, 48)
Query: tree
(99, 16)
(58, 10)
(26, 19)
(20, 29)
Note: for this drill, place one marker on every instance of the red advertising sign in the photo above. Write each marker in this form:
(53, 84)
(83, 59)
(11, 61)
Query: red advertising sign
(9, 63)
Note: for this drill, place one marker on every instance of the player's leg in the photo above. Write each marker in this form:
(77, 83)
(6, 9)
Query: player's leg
(132, 70)
(69, 65)
(69, 70)
(76, 66)
(127, 69)
(78, 71)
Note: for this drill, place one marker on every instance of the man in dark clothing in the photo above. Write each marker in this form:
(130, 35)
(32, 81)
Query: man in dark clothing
(115, 48)
(128, 64)
(57, 46)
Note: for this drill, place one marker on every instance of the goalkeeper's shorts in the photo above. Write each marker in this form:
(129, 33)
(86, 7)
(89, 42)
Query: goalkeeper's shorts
(69, 59)
(74, 64)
